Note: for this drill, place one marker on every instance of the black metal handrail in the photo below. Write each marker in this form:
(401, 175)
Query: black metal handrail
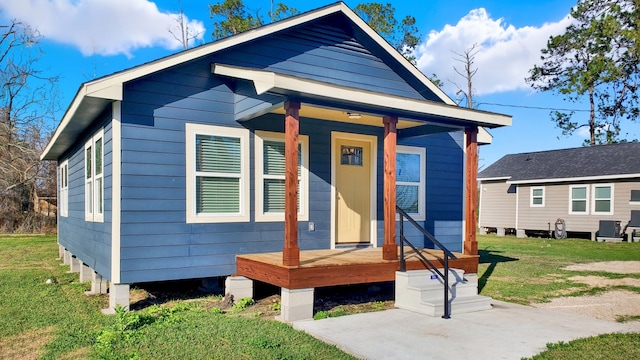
(447, 254)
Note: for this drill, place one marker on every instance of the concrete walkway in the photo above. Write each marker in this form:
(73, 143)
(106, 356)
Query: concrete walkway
(508, 331)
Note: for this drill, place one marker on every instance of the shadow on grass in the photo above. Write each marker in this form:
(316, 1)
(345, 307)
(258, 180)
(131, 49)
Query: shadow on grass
(493, 258)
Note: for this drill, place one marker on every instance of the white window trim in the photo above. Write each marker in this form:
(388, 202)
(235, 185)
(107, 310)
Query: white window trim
(421, 215)
(191, 130)
(303, 211)
(531, 204)
(91, 212)
(64, 188)
(593, 199)
(586, 212)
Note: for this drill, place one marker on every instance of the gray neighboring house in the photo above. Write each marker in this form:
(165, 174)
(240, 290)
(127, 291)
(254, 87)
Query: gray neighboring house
(530, 191)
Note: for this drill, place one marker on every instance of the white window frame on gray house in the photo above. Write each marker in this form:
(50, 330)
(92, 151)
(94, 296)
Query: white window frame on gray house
(600, 197)
(269, 176)
(225, 167)
(585, 200)
(537, 196)
(417, 181)
(63, 206)
(94, 178)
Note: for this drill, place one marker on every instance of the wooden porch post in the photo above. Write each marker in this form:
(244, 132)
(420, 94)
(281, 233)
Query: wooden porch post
(471, 189)
(291, 251)
(389, 248)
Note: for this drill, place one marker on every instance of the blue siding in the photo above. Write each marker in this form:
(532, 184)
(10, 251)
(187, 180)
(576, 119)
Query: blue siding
(89, 241)
(328, 51)
(157, 243)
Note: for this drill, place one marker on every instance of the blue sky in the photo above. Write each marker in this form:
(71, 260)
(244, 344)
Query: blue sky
(85, 39)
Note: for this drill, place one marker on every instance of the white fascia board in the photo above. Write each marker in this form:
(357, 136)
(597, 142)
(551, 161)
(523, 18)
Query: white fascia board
(66, 118)
(575, 179)
(396, 55)
(484, 137)
(191, 54)
(110, 87)
(265, 81)
(495, 178)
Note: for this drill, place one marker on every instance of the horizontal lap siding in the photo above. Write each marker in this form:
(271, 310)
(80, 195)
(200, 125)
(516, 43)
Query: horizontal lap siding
(157, 243)
(557, 207)
(324, 53)
(88, 241)
(498, 205)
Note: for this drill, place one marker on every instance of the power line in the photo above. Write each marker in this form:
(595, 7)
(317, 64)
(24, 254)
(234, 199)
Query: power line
(533, 107)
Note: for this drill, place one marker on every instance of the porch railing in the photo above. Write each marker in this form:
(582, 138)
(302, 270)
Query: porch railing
(446, 252)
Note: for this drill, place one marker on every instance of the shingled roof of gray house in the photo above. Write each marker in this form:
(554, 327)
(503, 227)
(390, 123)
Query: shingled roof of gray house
(601, 161)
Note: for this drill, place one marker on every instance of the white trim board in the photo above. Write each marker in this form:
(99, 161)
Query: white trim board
(116, 190)
(267, 81)
(111, 87)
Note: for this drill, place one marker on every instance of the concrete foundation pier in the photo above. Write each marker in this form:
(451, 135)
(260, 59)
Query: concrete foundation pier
(296, 305)
(239, 287)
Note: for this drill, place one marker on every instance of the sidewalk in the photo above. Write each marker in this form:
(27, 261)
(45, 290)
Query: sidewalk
(508, 331)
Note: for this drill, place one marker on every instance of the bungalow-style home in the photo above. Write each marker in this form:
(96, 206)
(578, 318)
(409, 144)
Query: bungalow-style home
(574, 188)
(294, 137)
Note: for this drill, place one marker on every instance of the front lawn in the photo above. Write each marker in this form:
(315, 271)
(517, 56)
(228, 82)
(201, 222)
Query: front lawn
(40, 320)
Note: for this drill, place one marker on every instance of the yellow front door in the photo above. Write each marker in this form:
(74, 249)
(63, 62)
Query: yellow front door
(353, 191)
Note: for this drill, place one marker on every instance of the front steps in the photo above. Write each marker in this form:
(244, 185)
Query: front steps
(422, 291)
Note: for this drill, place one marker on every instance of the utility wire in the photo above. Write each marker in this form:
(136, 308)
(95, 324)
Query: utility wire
(532, 107)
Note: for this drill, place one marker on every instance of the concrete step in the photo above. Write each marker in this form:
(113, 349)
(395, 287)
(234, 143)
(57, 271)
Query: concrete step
(458, 305)
(423, 291)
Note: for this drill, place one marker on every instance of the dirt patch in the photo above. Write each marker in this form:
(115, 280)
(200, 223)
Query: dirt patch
(609, 305)
(599, 281)
(617, 267)
(606, 306)
(27, 345)
(348, 299)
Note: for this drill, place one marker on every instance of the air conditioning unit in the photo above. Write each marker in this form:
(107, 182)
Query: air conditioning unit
(609, 229)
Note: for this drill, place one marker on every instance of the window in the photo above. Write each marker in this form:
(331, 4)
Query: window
(94, 188)
(578, 199)
(602, 199)
(410, 180)
(217, 174)
(537, 197)
(635, 197)
(270, 168)
(63, 206)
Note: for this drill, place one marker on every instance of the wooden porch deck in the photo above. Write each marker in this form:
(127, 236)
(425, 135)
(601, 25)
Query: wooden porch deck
(339, 267)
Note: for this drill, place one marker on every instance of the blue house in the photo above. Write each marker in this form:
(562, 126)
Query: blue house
(299, 135)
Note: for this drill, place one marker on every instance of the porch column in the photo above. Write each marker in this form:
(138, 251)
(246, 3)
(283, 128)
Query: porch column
(471, 189)
(389, 248)
(291, 252)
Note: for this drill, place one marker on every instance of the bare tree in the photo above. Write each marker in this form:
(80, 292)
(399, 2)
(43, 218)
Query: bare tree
(27, 105)
(184, 33)
(467, 58)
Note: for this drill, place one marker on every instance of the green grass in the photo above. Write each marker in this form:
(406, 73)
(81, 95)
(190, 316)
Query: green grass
(604, 347)
(532, 270)
(53, 321)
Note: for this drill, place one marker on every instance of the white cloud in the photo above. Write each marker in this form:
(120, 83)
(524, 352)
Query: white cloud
(506, 53)
(104, 27)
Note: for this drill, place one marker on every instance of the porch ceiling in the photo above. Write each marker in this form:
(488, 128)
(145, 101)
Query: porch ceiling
(317, 112)
(331, 96)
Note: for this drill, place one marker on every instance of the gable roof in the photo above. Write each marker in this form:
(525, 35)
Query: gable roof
(601, 162)
(95, 96)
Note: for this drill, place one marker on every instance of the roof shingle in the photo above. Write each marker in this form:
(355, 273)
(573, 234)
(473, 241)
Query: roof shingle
(594, 161)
